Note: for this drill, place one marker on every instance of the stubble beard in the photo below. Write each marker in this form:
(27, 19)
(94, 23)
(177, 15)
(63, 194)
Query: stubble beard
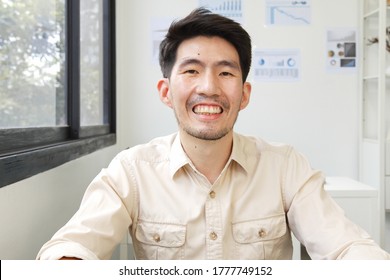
(207, 134)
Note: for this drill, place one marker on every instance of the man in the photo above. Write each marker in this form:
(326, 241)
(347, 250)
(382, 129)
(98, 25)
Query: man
(207, 192)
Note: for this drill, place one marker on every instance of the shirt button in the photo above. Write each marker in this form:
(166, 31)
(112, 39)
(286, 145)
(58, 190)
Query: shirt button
(212, 194)
(213, 236)
(156, 237)
(262, 233)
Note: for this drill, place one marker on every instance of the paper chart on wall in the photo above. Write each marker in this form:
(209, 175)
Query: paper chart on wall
(341, 51)
(288, 12)
(228, 8)
(276, 65)
(159, 28)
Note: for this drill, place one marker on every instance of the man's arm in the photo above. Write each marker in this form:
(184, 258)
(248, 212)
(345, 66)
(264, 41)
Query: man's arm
(101, 221)
(318, 222)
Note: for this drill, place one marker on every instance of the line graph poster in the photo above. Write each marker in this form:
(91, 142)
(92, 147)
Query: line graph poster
(288, 12)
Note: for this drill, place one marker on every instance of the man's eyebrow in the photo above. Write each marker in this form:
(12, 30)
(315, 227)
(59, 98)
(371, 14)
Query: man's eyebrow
(229, 63)
(191, 61)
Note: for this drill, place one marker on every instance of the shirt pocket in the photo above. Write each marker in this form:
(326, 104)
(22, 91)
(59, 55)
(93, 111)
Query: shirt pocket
(160, 241)
(257, 239)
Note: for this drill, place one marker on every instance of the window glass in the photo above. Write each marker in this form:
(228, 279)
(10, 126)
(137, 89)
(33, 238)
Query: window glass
(91, 63)
(32, 59)
(51, 83)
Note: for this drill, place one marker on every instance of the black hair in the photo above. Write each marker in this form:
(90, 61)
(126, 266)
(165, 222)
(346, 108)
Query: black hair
(202, 22)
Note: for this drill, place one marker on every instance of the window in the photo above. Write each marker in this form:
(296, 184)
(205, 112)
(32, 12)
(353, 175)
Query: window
(57, 83)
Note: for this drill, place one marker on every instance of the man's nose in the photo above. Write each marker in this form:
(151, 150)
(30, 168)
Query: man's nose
(209, 84)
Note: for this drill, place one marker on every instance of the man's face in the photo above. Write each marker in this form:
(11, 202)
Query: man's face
(205, 89)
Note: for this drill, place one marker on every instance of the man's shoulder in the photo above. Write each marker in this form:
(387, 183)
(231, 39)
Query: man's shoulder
(253, 143)
(156, 149)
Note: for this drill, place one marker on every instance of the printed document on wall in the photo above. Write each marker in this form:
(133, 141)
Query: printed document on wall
(341, 50)
(287, 12)
(276, 65)
(228, 8)
(159, 28)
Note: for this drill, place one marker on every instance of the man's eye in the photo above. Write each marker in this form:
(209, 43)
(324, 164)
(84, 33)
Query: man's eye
(226, 74)
(191, 71)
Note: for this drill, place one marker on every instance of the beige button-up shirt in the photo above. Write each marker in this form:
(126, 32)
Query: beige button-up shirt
(173, 212)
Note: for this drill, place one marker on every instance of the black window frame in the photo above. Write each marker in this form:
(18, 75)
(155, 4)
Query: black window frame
(25, 152)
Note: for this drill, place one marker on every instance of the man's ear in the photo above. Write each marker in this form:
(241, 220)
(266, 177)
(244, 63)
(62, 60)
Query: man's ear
(246, 94)
(163, 91)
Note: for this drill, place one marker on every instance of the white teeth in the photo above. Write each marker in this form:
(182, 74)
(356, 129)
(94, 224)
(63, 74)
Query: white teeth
(207, 110)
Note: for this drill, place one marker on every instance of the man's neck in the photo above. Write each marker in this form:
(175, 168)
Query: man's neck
(208, 156)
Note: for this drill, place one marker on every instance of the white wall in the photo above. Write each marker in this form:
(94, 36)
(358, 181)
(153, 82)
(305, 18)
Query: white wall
(33, 209)
(319, 114)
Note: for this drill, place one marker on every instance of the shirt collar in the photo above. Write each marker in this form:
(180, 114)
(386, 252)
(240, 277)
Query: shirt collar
(240, 151)
(178, 157)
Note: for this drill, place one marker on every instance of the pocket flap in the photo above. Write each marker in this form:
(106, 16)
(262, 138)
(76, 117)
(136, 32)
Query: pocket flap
(260, 229)
(160, 234)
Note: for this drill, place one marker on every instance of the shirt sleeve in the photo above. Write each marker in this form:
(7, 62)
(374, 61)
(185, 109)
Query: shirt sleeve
(102, 220)
(316, 219)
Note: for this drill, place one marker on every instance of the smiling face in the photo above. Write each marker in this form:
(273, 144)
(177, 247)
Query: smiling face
(205, 88)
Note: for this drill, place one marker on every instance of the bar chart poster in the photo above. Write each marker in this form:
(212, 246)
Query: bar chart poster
(228, 8)
(287, 12)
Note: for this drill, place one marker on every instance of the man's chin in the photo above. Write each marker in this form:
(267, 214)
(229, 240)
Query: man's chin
(207, 135)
